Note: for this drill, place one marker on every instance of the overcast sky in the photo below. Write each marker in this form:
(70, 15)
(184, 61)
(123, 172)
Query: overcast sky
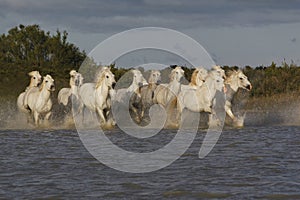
(233, 32)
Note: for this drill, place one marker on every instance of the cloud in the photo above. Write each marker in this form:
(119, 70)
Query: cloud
(113, 16)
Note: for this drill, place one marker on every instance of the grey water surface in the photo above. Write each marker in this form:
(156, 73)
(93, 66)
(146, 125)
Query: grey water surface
(253, 162)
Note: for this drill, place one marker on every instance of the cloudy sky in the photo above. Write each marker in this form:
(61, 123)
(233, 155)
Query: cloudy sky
(234, 32)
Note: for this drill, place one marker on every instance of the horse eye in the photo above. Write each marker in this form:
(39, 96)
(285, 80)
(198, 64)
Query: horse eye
(46, 81)
(241, 78)
(107, 76)
(33, 77)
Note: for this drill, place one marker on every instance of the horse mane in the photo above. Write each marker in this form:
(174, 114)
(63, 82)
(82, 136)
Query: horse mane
(194, 77)
(99, 72)
(101, 76)
(172, 75)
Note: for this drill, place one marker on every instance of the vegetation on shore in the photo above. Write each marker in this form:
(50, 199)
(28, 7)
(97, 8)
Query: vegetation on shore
(27, 48)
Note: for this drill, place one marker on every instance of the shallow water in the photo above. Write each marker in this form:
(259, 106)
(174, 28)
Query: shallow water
(254, 162)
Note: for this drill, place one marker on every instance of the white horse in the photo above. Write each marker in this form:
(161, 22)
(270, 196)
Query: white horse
(94, 95)
(147, 91)
(38, 99)
(235, 80)
(35, 80)
(166, 94)
(201, 98)
(132, 93)
(76, 80)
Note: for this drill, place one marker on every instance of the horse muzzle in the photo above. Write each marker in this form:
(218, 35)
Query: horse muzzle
(52, 88)
(141, 84)
(249, 87)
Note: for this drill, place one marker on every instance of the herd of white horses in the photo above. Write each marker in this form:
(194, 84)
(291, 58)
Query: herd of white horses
(100, 96)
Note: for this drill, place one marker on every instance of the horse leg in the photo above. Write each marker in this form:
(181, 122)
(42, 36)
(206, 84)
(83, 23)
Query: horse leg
(170, 109)
(101, 115)
(228, 111)
(135, 112)
(46, 118)
(36, 118)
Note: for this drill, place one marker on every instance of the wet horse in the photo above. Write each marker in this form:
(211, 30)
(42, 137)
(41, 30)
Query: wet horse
(166, 94)
(235, 80)
(94, 95)
(76, 80)
(35, 80)
(132, 94)
(201, 98)
(39, 101)
(147, 91)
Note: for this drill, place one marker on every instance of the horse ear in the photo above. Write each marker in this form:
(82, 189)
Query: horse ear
(31, 73)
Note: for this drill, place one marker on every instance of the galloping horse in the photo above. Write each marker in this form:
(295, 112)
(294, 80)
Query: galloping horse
(166, 94)
(94, 95)
(235, 80)
(201, 98)
(132, 93)
(76, 81)
(38, 99)
(35, 80)
(147, 91)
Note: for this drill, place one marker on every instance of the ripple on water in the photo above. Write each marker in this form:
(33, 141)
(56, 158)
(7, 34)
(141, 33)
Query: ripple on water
(254, 162)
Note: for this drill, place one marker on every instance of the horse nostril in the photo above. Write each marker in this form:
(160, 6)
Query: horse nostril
(113, 85)
(248, 87)
(141, 84)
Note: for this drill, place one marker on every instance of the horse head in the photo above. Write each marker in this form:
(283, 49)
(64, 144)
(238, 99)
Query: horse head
(36, 78)
(155, 77)
(243, 81)
(217, 80)
(177, 74)
(76, 78)
(48, 83)
(219, 70)
(138, 78)
(106, 78)
(198, 77)
(237, 79)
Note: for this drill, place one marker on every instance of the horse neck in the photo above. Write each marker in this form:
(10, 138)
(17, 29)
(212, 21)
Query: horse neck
(174, 84)
(74, 89)
(32, 83)
(209, 86)
(152, 85)
(102, 90)
(44, 92)
(133, 87)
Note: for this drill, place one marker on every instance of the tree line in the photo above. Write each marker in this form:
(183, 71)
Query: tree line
(27, 48)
